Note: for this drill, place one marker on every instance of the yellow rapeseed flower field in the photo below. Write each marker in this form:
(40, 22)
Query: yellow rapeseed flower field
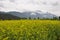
(30, 30)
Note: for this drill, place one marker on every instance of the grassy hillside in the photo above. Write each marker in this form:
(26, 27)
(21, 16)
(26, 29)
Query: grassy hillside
(30, 30)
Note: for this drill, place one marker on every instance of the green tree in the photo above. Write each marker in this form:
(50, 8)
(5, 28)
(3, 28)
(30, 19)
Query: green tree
(59, 17)
(38, 18)
(55, 18)
(34, 18)
(29, 17)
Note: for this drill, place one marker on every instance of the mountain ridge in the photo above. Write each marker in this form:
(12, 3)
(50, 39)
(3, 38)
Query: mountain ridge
(27, 14)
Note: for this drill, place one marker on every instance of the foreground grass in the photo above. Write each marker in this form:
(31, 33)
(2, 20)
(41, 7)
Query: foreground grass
(30, 30)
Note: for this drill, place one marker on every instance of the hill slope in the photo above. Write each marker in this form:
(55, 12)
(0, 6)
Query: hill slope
(6, 16)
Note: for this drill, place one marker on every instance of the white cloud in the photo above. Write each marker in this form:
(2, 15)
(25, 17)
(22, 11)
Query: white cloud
(52, 6)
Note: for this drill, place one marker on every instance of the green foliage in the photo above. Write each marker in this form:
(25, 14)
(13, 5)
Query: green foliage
(59, 17)
(35, 18)
(30, 30)
(55, 18)
(38, 18)
(29, 17)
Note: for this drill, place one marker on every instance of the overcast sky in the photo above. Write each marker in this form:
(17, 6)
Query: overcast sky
(52, 6)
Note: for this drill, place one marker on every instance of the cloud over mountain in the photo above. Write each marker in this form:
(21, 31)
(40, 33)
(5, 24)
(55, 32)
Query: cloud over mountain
(52, 6)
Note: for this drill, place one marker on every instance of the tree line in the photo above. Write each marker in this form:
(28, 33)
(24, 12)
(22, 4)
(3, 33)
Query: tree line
(10, 17)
